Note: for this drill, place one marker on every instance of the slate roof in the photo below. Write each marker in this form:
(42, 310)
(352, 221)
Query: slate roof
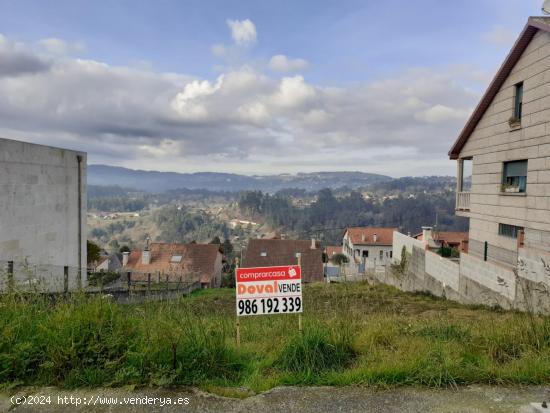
(283, 252)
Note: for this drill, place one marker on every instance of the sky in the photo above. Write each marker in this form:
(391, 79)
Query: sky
(252, 87)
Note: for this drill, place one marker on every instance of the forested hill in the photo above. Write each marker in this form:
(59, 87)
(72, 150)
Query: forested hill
(328, 215)
(154, 181)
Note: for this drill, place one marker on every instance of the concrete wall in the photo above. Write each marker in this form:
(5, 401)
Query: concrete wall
(445, 271)
(495, 277)
(401, 240)
(42, 228)
(473, 280)
(494, 141)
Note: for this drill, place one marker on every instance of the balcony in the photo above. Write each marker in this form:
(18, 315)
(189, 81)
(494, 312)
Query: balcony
(463, 201)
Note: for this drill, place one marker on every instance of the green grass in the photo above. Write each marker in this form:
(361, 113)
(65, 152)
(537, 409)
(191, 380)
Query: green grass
(352, 334)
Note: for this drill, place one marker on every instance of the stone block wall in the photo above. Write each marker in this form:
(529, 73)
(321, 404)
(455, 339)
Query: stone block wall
(473, 280)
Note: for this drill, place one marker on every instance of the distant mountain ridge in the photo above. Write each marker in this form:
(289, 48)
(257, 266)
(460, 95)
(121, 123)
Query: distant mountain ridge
(155, 181)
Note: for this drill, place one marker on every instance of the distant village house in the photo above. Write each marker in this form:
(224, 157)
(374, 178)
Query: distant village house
(446, 239)
(273, 252)
(368, 248)
(186, 263)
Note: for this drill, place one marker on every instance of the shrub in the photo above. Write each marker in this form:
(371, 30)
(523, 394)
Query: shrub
(315, 351)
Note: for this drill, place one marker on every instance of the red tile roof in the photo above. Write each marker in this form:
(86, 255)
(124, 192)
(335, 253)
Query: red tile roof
(333, 250)
(447, 236)
(365, 235)
(451, 237)
(283, 252)
(198, 261)
(533, 25)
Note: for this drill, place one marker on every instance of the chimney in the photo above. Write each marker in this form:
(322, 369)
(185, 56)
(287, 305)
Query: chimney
(374, 238)
(146, 254)
(146, 257)
(313, 244)
(125, 256)
(426, 235)
(363, 237)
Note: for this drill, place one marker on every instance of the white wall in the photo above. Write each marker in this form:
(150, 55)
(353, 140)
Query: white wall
(39, 209)
(401, 240)
(534, 265)
(443, 269)
(493, 276)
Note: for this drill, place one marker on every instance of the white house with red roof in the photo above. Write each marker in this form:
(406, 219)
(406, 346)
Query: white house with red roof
(368, 248)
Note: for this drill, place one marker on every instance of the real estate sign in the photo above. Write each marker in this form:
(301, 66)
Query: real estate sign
(269, 290)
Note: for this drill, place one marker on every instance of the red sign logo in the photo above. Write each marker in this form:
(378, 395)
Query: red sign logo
(287, 272)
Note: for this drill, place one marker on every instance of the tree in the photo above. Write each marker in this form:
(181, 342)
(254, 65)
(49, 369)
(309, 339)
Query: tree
(340, 259)
(113, 244)
(227, 247)
(93, 252)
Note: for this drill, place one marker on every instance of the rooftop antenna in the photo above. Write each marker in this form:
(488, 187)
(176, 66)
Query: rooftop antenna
(546, 7)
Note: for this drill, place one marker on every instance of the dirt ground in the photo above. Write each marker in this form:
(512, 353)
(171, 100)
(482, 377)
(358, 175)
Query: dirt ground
(471, 399)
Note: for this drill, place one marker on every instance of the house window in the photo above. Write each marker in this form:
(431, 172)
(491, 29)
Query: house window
(381, 254)
(391, 254)
(465, 178)
(176, 258)
(366, 253)
(518, 101)
(510, 231)
(514, 176)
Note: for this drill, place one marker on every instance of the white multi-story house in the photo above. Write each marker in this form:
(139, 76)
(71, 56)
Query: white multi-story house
(505, 146)
(368, 248)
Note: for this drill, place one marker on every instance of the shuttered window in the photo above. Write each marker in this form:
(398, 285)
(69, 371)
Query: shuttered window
(515, 176)
(510, 231)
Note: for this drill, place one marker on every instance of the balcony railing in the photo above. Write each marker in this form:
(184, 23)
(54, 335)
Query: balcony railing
(463, 201)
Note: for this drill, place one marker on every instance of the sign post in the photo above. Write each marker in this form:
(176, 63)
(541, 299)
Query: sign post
(300, 314)
(237, 320)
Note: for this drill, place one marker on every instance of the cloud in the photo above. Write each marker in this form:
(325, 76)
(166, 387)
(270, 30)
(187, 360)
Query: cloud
(17, 59)
(243, 120)
(441, 113)
(60, 47)
(500, 36)
(219, 50)
(281, 63)
(243, 32)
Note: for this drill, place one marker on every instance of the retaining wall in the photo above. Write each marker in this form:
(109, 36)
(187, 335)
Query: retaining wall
(472, 280)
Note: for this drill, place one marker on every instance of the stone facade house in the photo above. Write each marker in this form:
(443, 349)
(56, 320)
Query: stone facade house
(273, 252)
(368, 248)
(505, 146)
(176, 263)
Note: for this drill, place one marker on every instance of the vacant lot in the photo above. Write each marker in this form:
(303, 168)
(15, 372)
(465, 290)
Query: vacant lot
(353, 334)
